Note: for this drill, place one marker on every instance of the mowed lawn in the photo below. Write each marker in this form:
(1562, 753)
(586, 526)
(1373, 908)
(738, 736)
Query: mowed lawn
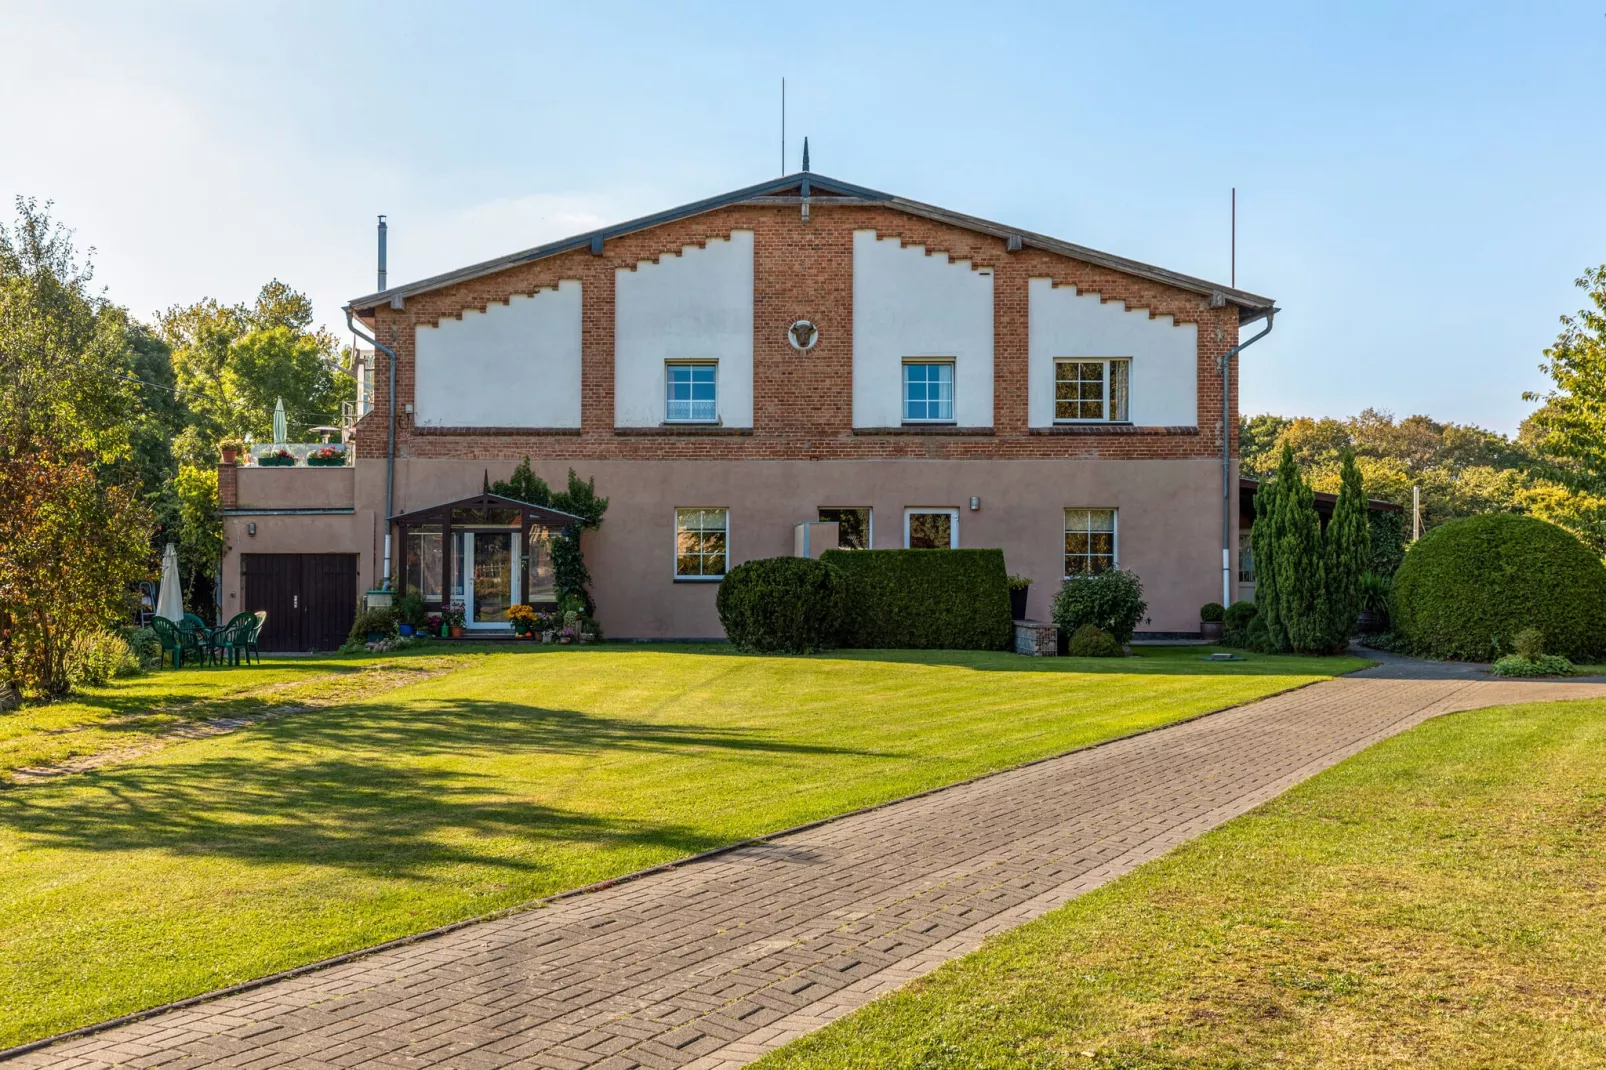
(1439, 900)
(513, 776)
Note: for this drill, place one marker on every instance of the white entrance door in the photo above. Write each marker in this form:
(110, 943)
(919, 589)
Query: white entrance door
(490, 577)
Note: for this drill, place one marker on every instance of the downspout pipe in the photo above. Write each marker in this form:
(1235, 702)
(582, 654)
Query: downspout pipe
(390, 445)
(1226, 457)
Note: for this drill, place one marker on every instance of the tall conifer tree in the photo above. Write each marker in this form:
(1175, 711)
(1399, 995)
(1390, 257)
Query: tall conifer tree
(1348, 546)
(1301, 573)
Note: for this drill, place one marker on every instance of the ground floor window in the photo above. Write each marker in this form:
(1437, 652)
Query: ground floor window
(931, 529)
(422, 565)
(1246, 557)
(853, 526)
(1089, 541)
(701, 543)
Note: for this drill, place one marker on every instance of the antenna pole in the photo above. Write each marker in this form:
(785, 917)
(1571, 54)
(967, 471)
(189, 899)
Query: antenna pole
(1235, 237)
(783, 126)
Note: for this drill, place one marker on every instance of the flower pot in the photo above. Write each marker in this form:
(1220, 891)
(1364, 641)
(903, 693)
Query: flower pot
(405, 629)
(229, 456)
(1210, 629)
(1017, 603)
(446, 630)
(374, 637)
(1369, 623)
(457, 631)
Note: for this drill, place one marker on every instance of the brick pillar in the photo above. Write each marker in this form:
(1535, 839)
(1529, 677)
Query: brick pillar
(228, 486)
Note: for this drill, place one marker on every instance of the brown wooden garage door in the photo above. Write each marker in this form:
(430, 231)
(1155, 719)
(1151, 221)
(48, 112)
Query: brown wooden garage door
(311, 599)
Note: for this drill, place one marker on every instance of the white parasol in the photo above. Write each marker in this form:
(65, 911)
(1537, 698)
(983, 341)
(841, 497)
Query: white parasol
(280, 435)
(169, 598)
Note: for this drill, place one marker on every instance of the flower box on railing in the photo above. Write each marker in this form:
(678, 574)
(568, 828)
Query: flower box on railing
(327, 457)
(277, 459)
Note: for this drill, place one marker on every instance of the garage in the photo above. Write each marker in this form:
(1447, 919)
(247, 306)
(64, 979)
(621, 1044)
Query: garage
(310, 599)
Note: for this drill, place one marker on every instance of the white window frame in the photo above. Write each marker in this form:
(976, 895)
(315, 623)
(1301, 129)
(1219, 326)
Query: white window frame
(953, 522)
(953, 390)
(869, 520)
(674, 560)
(1108, 382)
(1115, 537)
(690, 362)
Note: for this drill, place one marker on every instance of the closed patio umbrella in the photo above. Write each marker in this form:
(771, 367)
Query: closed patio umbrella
(169, 598)
(280, 435)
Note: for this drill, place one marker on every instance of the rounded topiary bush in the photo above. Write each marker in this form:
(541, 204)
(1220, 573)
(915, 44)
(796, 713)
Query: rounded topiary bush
(1091, 641)
(1469, 586)
(783, 605)
(1112, 599)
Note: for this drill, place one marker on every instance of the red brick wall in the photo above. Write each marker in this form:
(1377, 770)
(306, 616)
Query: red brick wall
(803, 402)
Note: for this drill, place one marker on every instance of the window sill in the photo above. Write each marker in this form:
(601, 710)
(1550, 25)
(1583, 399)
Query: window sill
(925, 429)
(698, 579)
(681, 429)
(1110, 429)
(496, 431)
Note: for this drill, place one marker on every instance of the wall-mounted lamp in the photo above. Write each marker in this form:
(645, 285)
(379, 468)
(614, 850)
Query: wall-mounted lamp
(975, 503)
(251, 529)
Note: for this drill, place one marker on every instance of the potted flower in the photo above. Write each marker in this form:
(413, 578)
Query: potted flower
(523, 619)
(432, 625)
(1210, 615)
(1019, 588)
(231, 448)
(279, 458)
(452, 620)
(327, 457)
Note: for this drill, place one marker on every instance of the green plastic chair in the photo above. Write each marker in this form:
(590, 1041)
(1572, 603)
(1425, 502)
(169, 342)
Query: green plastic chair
(177, 641)
(261, 616)
(232, 641)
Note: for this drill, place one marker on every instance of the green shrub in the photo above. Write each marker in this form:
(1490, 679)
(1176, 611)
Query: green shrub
(146, 646)
(1112, 599)
(783, 605)
(1529, 643)
(95, 657)
(1543, 665)
(1376, 591)
(1211, 612)
(410, 609)
(381, 619)
(926, 599)
(1091, 641)
(1469, 586)
(1235, 623)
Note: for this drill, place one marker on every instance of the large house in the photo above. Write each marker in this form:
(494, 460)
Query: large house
(771, 371)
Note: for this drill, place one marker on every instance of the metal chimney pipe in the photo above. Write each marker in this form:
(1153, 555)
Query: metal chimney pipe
(382, 229)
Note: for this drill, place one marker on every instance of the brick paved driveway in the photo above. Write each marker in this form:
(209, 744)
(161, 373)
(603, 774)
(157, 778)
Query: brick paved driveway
(717, 962)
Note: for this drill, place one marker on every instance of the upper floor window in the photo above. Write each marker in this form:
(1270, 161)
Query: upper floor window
(928, 391)
(691, 392)
(1098, 390)
(1089, 541)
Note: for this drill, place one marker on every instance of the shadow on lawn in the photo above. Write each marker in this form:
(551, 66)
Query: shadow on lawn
(290, 801)
(1148, 661)
(383, 820)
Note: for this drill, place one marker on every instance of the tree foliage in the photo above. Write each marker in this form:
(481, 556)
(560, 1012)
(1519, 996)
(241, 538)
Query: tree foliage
(1569, 429)
(571, 580)
(1347, 553)
(69, 545)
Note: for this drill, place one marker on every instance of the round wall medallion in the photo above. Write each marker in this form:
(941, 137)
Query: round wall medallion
(802, 335)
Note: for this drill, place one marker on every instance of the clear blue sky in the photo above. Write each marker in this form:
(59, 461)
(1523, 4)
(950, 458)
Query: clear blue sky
(1418, 184)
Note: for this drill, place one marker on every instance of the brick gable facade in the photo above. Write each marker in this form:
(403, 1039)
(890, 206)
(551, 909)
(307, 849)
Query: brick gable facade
(802, 401)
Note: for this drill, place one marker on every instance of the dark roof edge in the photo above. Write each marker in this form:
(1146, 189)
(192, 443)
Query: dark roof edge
(1251, 306)
(1377, 505)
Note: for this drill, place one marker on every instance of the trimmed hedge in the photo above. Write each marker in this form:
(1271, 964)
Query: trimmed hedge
(926, 599)
(1469, 586)
(783, 605)
(1091, 641)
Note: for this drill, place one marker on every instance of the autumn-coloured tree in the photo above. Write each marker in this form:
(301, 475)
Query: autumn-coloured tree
(69, 545)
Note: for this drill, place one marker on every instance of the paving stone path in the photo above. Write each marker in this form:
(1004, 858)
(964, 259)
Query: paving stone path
(712, 964)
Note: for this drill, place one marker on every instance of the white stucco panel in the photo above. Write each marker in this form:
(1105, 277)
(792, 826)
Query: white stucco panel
(909, 304)
(1164, 354)
(513, 365)
(697, 306)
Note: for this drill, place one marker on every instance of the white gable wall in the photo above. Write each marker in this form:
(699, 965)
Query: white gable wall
(513, 365)
(909, 304)
(699, 306)
(1165, 361)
